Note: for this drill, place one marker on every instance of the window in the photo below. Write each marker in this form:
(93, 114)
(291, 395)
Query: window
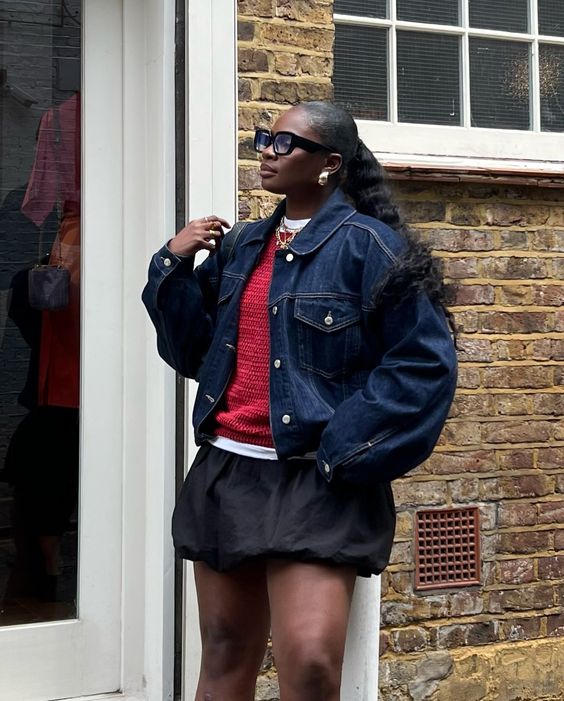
(468, 78)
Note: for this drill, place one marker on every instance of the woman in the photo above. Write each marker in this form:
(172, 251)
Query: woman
(326, 369)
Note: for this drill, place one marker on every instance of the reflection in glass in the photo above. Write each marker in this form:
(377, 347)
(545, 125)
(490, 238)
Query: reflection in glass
(39, 308)
(428, 78)
(429, 11)
(551, 71)
(500, 84)
(360, 74)
(503, 15)
(363, 8)
(551, 17)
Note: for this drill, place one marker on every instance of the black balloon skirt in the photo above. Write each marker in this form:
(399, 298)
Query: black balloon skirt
(234, 510)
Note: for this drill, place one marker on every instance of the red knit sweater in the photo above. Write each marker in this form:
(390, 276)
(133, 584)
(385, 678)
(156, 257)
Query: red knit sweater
(244, 415)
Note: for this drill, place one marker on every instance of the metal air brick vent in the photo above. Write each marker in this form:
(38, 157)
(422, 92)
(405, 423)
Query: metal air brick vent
(447, 548)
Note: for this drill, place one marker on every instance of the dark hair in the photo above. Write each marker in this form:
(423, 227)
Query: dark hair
(365, 182)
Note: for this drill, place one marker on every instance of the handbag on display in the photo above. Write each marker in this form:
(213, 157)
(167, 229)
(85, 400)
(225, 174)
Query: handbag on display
(49, 284)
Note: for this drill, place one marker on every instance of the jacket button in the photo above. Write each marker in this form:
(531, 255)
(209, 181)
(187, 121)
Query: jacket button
(277, 363)
(328, 319)
(286, 419)
(275, 310)
(167, 262)
(326, 467)
(290, 257)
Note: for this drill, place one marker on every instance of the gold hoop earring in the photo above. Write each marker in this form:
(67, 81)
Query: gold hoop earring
(323, 178)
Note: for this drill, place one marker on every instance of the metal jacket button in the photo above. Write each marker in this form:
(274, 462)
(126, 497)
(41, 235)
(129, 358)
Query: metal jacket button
(328, 319)
(167, 262)
(290, 257)
(277, 363)
(275, 310)
(326, 467)
(286, 419)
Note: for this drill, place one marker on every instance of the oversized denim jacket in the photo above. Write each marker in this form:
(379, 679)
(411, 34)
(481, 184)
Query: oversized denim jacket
(366, 385)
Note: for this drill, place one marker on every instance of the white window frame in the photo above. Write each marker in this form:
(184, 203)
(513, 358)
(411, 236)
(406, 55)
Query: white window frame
(464, 146)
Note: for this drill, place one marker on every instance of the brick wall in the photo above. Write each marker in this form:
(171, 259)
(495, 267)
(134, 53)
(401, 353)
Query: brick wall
(503, 447)
(502, 450)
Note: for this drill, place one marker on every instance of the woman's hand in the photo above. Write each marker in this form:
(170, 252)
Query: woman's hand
(197, 235)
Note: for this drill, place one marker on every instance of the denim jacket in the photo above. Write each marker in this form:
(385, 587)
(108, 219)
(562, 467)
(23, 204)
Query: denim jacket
(366, 385)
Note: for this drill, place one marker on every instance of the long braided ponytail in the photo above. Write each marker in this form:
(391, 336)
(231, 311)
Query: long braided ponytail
(365, 182)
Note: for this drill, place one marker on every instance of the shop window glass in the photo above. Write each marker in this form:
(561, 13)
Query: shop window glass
(39, 308)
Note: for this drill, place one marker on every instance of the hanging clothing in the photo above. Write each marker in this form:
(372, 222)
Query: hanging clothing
(55, 184)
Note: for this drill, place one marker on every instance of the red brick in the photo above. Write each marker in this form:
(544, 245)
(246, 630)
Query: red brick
(466, 603)
(524, 598)
(548, 295)
(525, 542)
(518, 377)
(515, 322)
(555, 624)
(518, 514)
(409, 640)
(475, 349)
(464, 295)
(472, 405)
(516, 240)
(516, 571)
(460, 268)
(461, 433)
(468, 378)
(514, 268)
(550, 458)
(548, 240)
(471, 461)
(507, 215)
(551, 512)
(551, 567)
(466, 321)
(521, 628)
(516, 459)
(460, 240)
(516, 487)
(518, 432)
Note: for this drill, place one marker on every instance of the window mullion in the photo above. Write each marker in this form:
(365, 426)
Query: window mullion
(465, 66)
(535, 67)
(392, 58)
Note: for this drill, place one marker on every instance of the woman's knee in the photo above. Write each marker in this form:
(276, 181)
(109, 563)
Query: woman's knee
(226, 648)
(313, 663)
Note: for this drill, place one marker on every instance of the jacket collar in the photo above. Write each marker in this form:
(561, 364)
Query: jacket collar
(322, 225)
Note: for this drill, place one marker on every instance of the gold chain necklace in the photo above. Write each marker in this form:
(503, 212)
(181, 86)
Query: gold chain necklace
(285, 236)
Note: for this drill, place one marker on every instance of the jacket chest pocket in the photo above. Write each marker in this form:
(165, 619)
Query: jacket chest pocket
(328, 333)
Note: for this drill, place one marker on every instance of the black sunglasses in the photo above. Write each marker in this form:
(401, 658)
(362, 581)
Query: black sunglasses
(284, 142)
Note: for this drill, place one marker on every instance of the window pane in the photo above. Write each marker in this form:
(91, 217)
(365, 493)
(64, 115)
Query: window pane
(363, 8)
(503, 15)
(551, 67)
(431, 11)
(551, 17)
(39, 329)
(499, 84)
(428, 78)
(360, 75)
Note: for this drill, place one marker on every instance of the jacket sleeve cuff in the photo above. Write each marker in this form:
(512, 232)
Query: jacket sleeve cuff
(166, 261)
(324, 465)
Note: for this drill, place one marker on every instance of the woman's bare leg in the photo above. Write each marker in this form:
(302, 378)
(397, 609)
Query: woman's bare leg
(309, 605)
(234, 625)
